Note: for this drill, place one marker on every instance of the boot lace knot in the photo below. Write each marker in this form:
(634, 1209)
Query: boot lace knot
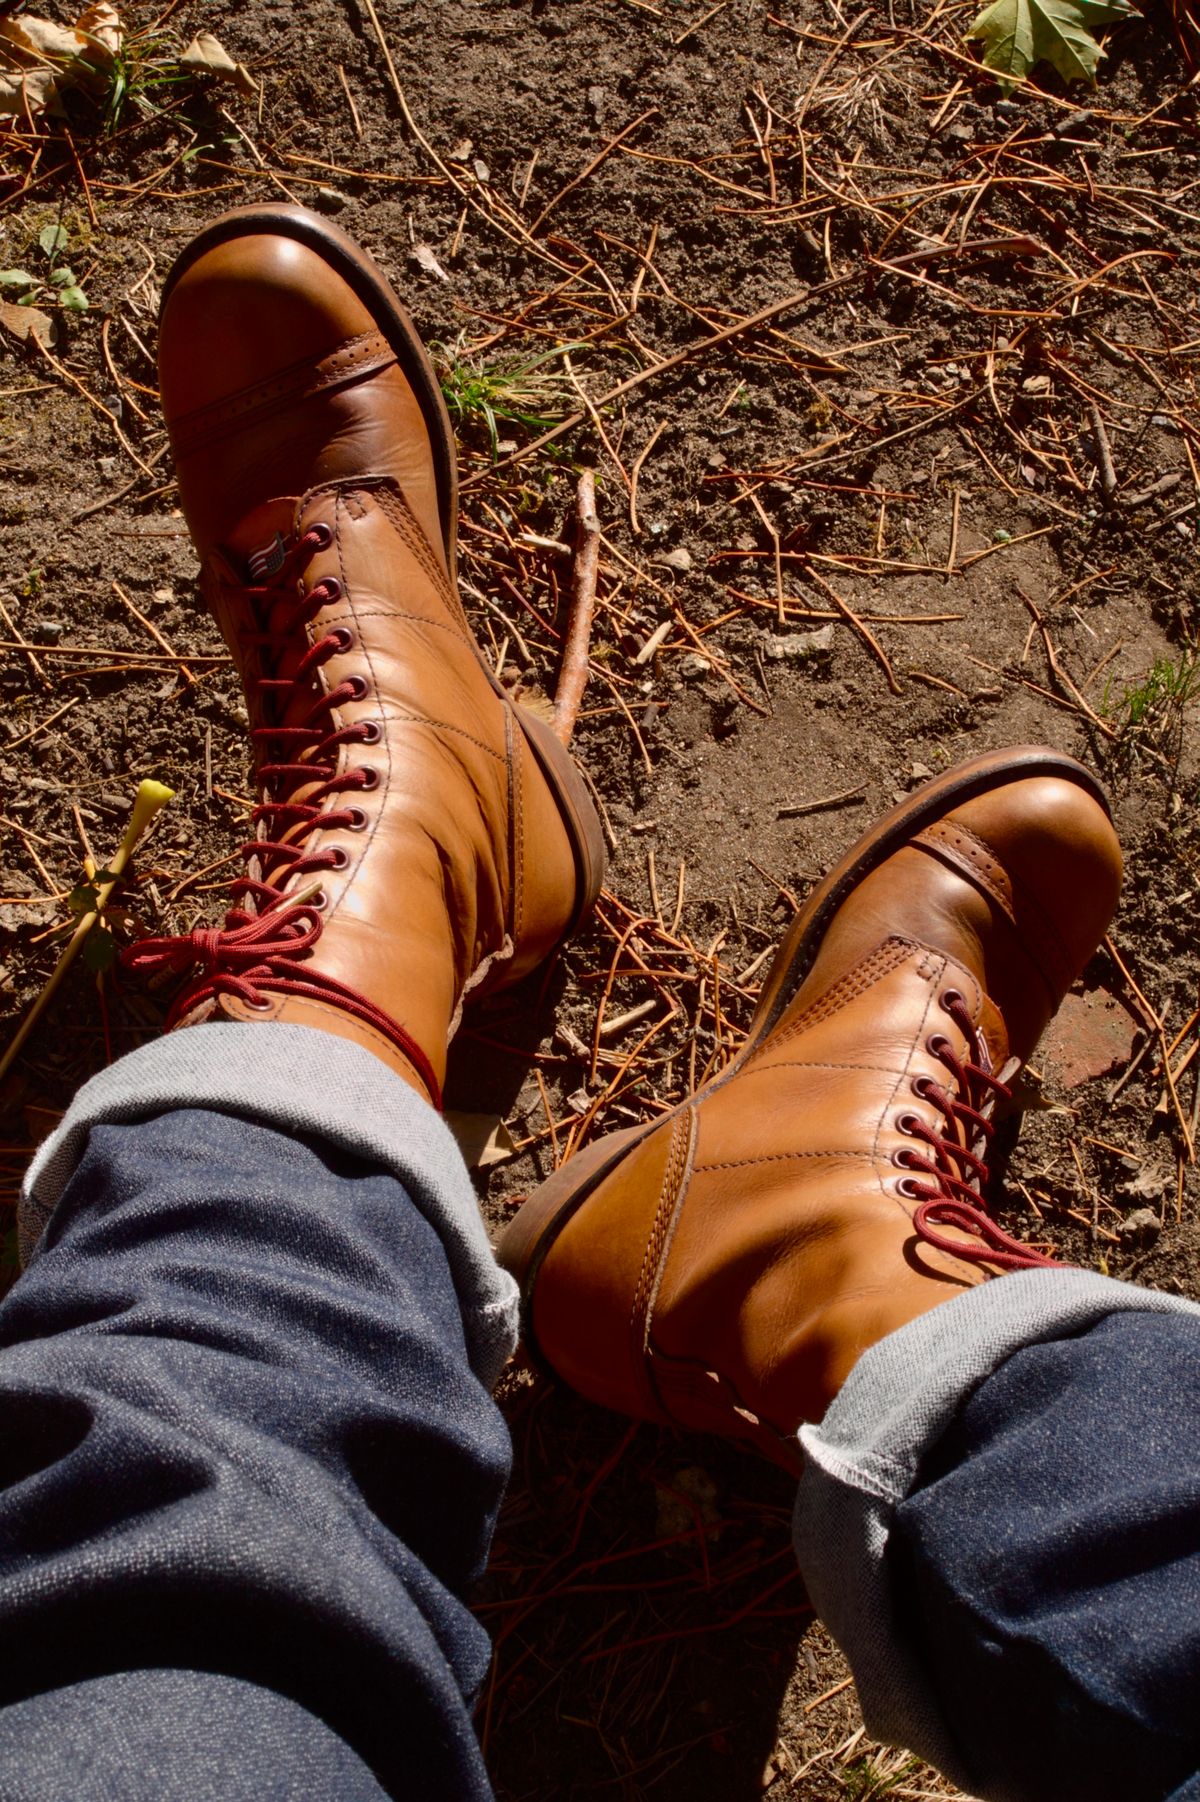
(952, 1169)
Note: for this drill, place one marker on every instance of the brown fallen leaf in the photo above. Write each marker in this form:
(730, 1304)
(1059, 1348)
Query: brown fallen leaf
(205, 55)
(483, 1139)
(27, 322)
(38, 57)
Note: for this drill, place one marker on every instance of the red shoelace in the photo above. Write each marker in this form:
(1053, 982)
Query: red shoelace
(956, 1172)
(262, 946)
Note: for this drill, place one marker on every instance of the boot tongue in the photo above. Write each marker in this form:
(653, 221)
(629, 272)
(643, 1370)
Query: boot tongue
(255, 549)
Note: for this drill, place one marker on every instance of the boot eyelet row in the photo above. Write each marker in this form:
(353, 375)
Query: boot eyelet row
(342, 637)
(923, 1087)
(936, 1043)
(323, 533)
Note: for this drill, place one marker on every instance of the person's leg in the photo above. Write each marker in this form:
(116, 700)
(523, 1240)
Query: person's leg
(249, 1462)
(1000, 1522)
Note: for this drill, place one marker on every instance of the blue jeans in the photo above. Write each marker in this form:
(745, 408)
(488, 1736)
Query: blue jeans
(249, 1467)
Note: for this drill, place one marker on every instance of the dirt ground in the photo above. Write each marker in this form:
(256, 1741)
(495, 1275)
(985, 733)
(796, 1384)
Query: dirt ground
(944, 500)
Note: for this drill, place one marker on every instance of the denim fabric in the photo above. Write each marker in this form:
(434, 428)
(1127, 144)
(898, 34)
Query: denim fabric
(865, 1457)
(301, 1081)
(1049, 1562)
(240, 1436)
(134, 1735)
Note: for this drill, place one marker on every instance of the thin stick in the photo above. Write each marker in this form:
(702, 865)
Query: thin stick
(848, 797)
(1104, 456)
(635, 472)
(25, 737)
(573, 678)
(350, 101)
(952, 553)
(864, 632)
(155, 634)
(1052, 659)
(590, 169)
(749, 324)
(34, 665)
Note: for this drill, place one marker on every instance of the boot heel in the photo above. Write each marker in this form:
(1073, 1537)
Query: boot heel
(579, 816)
(528, 1238)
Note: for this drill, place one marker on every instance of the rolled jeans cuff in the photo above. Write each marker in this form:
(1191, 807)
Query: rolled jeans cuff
(866, 1455)
(309, 1083)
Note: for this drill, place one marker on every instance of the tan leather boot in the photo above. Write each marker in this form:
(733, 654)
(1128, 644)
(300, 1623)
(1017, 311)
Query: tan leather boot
(417, 836)
(723, 1268)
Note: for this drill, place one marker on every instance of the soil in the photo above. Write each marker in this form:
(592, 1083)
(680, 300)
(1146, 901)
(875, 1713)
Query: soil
(919, 434)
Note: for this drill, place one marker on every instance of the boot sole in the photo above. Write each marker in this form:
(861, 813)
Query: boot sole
(362, 274)
(525, 1243)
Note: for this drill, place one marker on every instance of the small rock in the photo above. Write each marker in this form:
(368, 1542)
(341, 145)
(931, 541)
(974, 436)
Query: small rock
(331, 200)
(1075, 125)
(462, 151)
(1148, 1184)
(801, 645)
(680, 558)
(920, 772)
(693, 668)
(961, 134)
(108, 467)
(482, 172)
(1142, 1227)
(46, 631)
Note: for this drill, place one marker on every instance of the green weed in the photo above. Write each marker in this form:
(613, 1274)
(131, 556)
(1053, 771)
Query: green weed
(132, 79)
(480, 396)
(58, 282)
(1150, 715)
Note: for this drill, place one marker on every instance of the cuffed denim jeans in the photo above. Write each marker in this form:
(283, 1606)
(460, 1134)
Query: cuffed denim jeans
(249, 1467)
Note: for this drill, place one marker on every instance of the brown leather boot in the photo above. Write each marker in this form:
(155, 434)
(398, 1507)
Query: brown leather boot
(417, 836)
(723, 1269)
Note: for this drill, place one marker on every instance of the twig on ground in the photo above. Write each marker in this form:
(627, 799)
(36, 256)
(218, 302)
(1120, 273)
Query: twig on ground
(574, 674)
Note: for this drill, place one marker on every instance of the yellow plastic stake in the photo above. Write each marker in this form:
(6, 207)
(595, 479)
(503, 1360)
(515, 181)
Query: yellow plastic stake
(150, 799)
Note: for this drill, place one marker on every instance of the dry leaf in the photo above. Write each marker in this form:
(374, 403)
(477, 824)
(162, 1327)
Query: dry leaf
(38, 57)
(483, 1139)
(206, 56)
(27, 322)
(428, 262)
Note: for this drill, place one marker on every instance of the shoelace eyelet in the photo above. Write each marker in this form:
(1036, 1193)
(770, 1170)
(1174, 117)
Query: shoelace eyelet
(903, 1158)
(936, 1043)
(342, 637)
(339, 858)
(372, 732)
(358, 688)
(370, 779)
(323, 534)
(908, 1123)
(320, 901)
(950, 999)
(908, 1187)
(357, 821)
(923, 1086)
(258, 1007)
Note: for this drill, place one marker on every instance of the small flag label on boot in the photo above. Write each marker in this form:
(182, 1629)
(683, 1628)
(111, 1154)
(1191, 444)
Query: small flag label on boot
(268, 561)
